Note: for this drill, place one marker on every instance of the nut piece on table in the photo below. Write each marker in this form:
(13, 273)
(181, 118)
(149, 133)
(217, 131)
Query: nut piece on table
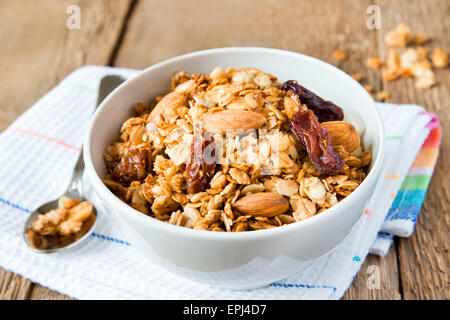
(343, 133)
(262, 204)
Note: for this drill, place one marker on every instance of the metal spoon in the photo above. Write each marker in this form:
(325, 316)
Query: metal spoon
(75, 188)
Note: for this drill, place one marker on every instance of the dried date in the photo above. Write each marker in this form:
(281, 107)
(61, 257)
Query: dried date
(134, 166)
(201, 165)
(324, 110)
(317, 142)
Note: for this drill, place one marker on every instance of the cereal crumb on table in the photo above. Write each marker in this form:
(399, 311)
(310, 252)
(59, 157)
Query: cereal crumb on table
(439, 58)
(340, 54)
(373, 62)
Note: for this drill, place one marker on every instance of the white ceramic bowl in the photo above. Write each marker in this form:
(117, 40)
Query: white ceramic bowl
(247, 259)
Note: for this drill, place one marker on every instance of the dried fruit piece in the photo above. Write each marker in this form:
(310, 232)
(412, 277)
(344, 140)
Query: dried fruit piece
(317, 142)
(133, 166)
(324, 110)
(202, 164)
(343, 133)
(262, 204)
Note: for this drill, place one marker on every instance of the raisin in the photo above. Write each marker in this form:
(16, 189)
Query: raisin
(324, 110)
(134, 166)
(317, 142)
(201, 166)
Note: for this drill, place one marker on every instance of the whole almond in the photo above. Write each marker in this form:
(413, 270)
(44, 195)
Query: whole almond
(168, 104)
(262, 204)
(232, 120)
(342, 133)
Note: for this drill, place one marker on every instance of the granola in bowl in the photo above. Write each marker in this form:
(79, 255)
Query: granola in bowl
(235, 150)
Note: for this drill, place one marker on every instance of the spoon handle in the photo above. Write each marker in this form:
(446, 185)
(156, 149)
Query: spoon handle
(75, 189)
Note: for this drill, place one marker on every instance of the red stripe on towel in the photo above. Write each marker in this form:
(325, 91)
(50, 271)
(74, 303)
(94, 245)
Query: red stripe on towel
(41, 136)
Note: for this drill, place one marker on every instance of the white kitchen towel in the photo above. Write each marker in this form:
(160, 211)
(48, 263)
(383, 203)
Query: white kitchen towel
(39, 151)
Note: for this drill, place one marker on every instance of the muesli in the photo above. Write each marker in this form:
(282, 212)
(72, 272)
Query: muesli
(235, 150)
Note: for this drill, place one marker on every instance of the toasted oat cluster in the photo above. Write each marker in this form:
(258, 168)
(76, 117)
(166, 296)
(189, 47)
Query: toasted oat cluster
(63, 225)
(234, 150)
(407, 57)
(67, 219)
(413, 59)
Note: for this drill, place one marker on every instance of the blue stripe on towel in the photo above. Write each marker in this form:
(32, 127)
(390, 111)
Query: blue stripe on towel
(385, 236)
(299, 285)
(406, 213)
(409, 198)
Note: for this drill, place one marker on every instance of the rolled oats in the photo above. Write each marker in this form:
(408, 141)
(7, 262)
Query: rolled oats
(267, 160)
(62, 225)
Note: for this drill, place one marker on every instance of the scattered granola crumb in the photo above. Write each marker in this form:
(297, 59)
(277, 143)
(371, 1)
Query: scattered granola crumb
(399, 37)
(439, 58)
(420, 68)
(393, 59)
(393, 68)
(412, 62)
(420, 38)
(340, 54)
(408, 57)
(357, 76)
(382, 96)
(368, 87)
(373, 62)
(426, 81)
(422, 52)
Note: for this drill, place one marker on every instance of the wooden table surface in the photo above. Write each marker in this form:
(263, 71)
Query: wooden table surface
(38, 51)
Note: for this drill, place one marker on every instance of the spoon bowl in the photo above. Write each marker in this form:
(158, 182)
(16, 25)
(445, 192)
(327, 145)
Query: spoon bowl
(52, 243)
(58, 242)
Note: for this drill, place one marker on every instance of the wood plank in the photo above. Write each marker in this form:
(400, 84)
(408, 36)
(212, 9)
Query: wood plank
(377, 279)
(13, 287)
(42, 293)
(38, 50)
(424, 258)
(160, 30)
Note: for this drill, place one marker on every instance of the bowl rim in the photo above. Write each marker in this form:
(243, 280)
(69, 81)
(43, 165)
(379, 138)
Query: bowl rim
(107, 195)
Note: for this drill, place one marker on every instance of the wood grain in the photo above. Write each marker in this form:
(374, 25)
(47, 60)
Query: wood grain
(378, 279)
(38, 50)
(424, 258)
